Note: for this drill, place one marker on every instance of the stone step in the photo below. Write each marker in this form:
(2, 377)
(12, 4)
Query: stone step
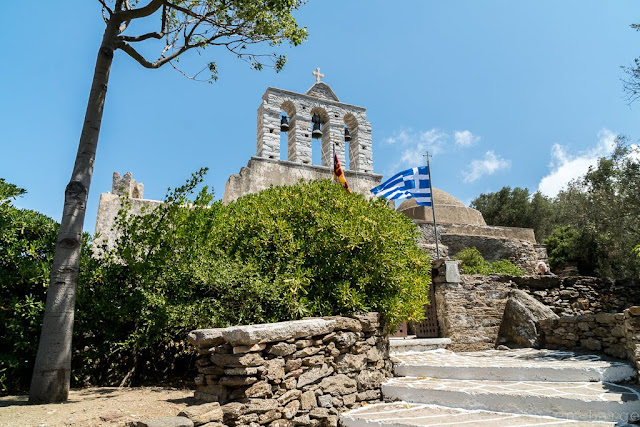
(414, 414)
(575, 400)
(513, 365)
(411, 344)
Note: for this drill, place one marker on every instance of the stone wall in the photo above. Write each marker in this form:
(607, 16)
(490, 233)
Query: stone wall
(470, 312)
(303, 372)
(616, 334)
(494, 243)
(262, 173)
(581, 295)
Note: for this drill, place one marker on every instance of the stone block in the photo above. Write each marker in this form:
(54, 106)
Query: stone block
(591, 344)
(233, 360)
(369, 321)
(325, 401)
(313, 375)
(259, 389)
(452, 272)
(338, 385)
(291, 409)
(203, 414)
(350, 362)
(282, 349)
(237, 381)
(205, 337)
(368, 379)
(308, 400)
(248, 348)
(272, 332)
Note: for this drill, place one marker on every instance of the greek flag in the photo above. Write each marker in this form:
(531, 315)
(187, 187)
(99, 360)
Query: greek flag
(412, 183)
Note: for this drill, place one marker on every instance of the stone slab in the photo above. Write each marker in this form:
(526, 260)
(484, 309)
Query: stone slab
(591, 401)
(413, 414)
(413, 345)
(281, 331)
(513, 365)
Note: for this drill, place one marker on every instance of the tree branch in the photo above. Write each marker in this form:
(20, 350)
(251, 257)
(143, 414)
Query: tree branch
(134, 39)
(104, 6)
(141, 12)
(129, 50)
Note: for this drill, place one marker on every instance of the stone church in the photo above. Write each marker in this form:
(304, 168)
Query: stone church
(342, 128)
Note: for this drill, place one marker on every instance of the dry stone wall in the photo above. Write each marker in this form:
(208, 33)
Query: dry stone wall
(303, 372)
(615, 334)
(577, 295)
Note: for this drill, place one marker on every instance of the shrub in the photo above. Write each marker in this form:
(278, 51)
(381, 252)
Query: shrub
(474, 263)
(27, 240)
(288, 252)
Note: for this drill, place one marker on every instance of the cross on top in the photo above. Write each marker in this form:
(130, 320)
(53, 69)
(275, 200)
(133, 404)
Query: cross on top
(318, 74)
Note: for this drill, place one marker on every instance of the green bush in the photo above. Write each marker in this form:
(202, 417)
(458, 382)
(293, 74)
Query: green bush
(285, 253)
(27, 241)
(474, 263)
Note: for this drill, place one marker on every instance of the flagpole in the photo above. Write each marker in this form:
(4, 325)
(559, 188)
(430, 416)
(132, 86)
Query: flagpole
(433, 208)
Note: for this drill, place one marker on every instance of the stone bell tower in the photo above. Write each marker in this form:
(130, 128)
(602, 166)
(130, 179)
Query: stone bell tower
(344, 128)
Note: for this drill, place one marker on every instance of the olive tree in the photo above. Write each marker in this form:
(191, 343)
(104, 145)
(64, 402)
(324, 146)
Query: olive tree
(180, 26)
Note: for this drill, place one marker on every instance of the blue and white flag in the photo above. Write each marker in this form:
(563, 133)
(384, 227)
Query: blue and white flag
(412, 183)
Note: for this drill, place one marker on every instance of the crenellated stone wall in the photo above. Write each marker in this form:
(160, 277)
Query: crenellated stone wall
(303, 372)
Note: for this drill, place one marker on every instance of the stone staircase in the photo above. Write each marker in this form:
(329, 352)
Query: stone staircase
(504, 388)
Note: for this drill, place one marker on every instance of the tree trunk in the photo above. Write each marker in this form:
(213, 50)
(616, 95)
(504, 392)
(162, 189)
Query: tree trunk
(52, 370)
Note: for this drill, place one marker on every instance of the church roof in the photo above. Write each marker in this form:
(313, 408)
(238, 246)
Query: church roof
(323, 91)
(448, 210)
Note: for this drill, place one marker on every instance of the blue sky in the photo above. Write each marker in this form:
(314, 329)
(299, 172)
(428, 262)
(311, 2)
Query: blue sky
(524, 93)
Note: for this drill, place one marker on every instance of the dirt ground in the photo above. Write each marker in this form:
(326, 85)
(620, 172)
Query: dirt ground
(97, 406)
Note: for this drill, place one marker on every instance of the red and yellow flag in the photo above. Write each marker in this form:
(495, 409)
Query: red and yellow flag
(338, 174)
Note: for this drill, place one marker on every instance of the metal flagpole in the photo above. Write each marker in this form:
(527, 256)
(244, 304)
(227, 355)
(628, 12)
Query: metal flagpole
(433, 207)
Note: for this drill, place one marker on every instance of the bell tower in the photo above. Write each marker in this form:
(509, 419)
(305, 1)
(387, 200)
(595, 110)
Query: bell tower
(297, 119)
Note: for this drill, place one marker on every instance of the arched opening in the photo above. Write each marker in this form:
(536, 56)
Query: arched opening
(351, 141)
(287, 131)
(321, 147)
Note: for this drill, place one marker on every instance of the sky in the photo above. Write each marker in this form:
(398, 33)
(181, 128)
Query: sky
(525, 94)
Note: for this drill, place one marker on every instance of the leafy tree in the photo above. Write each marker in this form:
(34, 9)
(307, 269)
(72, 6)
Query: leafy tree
(26, 250)
(181, 26)
(604, 209)
(631, 84)
(517, 208)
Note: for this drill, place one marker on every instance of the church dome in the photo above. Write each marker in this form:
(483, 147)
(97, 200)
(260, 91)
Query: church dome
(448, 210)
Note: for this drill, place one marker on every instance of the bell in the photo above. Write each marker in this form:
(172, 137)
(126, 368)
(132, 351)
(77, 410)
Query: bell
(316, 132)
(347, 134)
(284, 124)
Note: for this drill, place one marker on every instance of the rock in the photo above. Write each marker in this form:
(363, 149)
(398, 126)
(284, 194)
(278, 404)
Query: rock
(248, 348)
(110, 416)
(232, 411)
(280, 423)
(370, 379)
(368, 395)
(237, 381)
(369, 321)
(233, 360)
(247, 371)
(350, 362)
(219, 391)
(205, 337)
(347, 323)
(338, 385)
(345, 339)
(520, 323)
(313, 375)
(308, 400)
(261, 405)
(349, 399)
(289, 396)
(291, 409)
(635, 310)
(202, 414)
(306, 352)
(313, 360)
(591, 344)
(269, 416)
(302, 420)
(274, 369)
(163, 422)
(325, 401)
(374, 354)
(605, 317)
(292, 365)
(282, 349)
(272, 332)
(259, 389)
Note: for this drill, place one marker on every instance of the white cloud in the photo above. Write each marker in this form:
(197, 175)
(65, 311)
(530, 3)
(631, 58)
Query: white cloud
(414, 144)
(488, 165)
(566, 167)
(464, 138)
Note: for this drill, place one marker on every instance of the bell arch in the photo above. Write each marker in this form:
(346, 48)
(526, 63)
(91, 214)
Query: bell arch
(289, 109)
(351, 123)
(326, 151)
